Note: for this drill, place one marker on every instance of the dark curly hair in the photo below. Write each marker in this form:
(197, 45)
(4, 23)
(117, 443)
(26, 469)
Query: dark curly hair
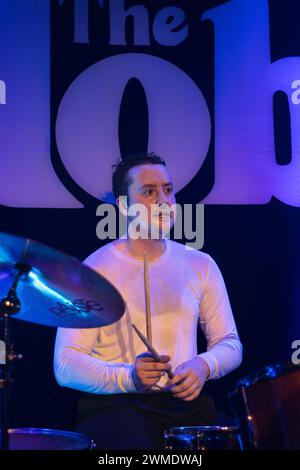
(120, 178)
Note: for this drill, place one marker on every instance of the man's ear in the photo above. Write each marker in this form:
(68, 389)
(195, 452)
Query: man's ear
(122, 205)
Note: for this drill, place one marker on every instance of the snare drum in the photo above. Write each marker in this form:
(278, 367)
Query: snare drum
(47, 439)
(203, 438)
(267, 407)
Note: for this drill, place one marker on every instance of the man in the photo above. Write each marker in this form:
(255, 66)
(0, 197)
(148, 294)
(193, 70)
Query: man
(129, 400)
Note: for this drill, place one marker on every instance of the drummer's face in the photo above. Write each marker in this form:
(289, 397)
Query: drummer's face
(151, 185)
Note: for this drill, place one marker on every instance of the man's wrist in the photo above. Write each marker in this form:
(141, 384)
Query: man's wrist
(136, 381)
(204, 367)
(133, 378)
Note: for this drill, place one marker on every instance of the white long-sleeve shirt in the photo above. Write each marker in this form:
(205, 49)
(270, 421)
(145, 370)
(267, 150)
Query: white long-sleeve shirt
(186, 287)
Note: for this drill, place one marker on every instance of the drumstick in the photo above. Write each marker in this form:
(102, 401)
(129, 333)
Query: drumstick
(150, 348)
(147, 298)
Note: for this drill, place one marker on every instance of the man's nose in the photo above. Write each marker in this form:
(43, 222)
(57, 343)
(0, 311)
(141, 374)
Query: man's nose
(162, 198)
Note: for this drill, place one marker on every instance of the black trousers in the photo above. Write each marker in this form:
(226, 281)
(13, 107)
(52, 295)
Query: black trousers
(138, 421)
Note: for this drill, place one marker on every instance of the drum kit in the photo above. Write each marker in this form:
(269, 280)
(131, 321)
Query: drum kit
(42, 285)
(203, 438)
(266, 408)
(266, 405)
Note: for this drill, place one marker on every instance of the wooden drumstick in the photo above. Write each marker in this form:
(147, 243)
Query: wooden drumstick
(147, 298)
(150, 348)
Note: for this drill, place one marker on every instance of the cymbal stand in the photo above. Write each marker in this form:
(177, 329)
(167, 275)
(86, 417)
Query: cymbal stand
(9, 306)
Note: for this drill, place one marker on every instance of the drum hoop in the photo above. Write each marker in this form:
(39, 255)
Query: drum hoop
(47, 431)
(202, 429)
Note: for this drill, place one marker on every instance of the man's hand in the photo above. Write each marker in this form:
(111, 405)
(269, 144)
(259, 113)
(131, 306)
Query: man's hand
(189, 379)
(147, 371)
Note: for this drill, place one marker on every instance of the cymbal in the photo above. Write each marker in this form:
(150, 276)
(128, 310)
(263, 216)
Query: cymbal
(59, 290)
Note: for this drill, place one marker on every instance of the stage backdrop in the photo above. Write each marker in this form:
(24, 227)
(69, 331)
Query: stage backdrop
(211, 86)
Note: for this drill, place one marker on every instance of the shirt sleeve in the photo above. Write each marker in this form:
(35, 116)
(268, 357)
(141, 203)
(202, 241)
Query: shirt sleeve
(76, 367)
(224, 349)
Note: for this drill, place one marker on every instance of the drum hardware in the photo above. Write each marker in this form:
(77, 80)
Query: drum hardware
(42, 285)
(9, 305)
(203, 438)
(48, 439)
(267, 406)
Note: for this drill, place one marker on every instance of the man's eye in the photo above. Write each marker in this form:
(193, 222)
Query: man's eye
(168, 190)
(148, 192)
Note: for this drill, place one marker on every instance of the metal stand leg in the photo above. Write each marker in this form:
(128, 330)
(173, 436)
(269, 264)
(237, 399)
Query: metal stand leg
(9, 306)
